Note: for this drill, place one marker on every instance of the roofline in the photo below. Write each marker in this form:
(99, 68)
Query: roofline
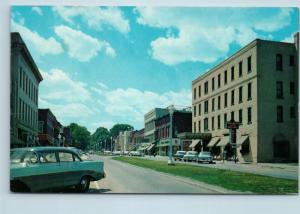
(34, 67)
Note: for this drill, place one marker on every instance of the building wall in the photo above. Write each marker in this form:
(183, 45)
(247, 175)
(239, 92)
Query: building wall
(268, 126)
(226, 88)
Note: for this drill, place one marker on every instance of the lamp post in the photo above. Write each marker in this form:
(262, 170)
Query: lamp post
(171, 161)
(111, 138)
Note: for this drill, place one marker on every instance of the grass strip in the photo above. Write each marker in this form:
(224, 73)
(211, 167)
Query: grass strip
(231, 180)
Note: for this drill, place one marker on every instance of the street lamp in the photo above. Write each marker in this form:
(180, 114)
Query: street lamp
(111, 138)
(171, 112)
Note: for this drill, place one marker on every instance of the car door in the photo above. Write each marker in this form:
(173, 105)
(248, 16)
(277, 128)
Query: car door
(49, 170)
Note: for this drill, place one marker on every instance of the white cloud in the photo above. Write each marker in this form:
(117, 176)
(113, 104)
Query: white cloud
(289, 39)
(96, 17)
(205, 34)
(37, 10)
(58, 86)
(36, 42)
(132, 103)
(82, 46)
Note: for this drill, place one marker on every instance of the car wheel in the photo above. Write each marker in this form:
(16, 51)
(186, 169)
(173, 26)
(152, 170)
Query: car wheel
(84, 184)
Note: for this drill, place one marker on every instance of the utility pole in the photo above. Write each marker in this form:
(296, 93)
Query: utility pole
(171, 161)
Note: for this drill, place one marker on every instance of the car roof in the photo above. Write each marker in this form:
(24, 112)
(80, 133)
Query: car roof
(44, 148)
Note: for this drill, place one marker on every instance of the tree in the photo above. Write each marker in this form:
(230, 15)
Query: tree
(114, 131)
(100, 135)
(80, 136)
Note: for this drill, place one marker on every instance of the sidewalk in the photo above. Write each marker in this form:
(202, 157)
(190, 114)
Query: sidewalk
(278, 170)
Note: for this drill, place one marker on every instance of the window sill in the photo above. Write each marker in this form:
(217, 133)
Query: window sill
(240, 102)
(249, 99)
(249, 123)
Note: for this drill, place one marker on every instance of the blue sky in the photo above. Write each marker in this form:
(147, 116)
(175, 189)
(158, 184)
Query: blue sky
(107, 65)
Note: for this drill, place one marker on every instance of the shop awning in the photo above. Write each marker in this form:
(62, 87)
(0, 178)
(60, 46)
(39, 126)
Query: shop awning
(224, 141)
(213, 141)
(194, 143)
(150, 147)
(242, 140)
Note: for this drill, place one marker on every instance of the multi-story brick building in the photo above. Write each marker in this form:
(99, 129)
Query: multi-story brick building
(258, 87)
(25, 79)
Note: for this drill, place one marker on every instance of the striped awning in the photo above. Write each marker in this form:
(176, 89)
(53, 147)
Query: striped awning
(194, 143)
(224, 141)
(213, 141)
(242, 140)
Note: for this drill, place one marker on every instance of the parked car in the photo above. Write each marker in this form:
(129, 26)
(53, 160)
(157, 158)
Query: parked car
(190, 156)
(179, 155)
(135, 153)
(116, 153)
(35, 169)
(205, 157)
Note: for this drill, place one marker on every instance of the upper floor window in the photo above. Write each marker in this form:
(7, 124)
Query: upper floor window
(279, 62)
(199, 109)
(225, 100)
(240, 68)
(279, 89)
(219, 102)
(249, 66)
(292, 60)
(292, 112)
(232, 97)
(195, 110)
(249, 115)
(292, 87)
(232, 73)
(279, 114)
(212, 123)
(195, 127)
(194, 93)
(213, 104)
(205, 124)
(199, 126)
(225, 77)
(219, 121)
(241, 116)
(219, 80)
(240, 94)
(232, 115)
(225, 120)
(206, 106)
(206, 87)
(199, 90)
(213, 84)
(249, 91)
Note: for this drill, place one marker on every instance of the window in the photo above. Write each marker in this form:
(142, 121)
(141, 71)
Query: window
(199, 90)
(279, 114)
(241, 116)
(30, 157)
(206, 106)
(232, 115)
(76, 158)
(194, 93)
(199, 126)
(20, 77)
(213, 104)
(232, 73)
(249, 91)
(219, 102)
(292, 88)
(206, 87)
(225, 77)
(292, 112)
(213, 84)
(195, 110)
(212, 123)
(249, 115)
(48, 157)
(20, 109)
(219, 80)
(219, 121)
(249, 67)
(278, 62)
(279, 89)
(199, 109)
(194, 127)
(241, 94)
(24, 75)
(292, 60)
(65, 157)
(225, 100)
(240, 68)
(205, 124)
(232, 97)
(225, 120)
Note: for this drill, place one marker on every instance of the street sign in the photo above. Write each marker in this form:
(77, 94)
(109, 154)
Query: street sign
(233, 126)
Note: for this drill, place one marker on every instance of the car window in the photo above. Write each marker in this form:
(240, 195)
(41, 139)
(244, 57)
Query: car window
(65, 157)
(30, 157)
(76, 158)
(48, 157)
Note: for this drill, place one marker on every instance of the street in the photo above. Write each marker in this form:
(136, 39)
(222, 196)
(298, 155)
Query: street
(125, 178)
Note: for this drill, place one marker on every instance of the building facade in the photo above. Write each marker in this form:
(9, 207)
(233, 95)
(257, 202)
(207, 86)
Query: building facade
(25, 79)
(123, 142)
(257, 87)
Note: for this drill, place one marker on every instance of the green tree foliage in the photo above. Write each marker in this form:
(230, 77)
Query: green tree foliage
(114, 131)
(80, 136)
(101, 134)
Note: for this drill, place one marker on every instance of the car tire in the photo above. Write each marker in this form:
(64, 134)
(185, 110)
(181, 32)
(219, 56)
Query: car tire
(83, 185)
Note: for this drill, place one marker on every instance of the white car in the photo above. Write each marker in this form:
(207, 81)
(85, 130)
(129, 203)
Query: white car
(205, 157)
(135, 153)
(190, 156)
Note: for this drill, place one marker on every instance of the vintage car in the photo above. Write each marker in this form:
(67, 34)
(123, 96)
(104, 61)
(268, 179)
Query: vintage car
(35, 169)
(190, 156)
(205, 157)
(179, 155)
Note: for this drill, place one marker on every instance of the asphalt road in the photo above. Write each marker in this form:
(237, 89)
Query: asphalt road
(126, 178)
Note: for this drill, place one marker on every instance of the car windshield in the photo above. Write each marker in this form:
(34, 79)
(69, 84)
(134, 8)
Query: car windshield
(16, 156)
(20, 156)
(192, 153)
(205, 153)
(181, 152)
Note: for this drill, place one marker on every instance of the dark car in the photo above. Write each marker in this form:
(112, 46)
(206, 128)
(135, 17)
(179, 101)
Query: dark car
(179, 155)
